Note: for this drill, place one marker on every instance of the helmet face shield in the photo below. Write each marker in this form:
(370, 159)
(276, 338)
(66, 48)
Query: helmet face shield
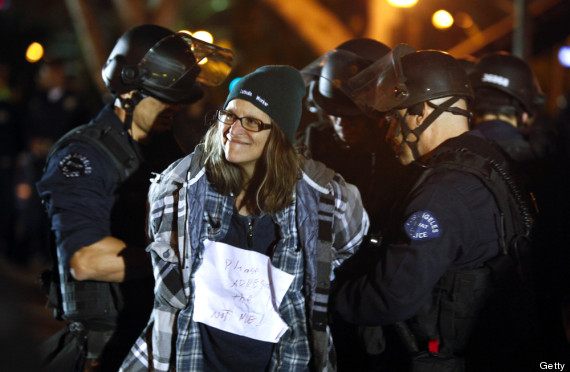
(164, 64)
(329, 74)
(215, 62)
(314, 70)
(169, 61)
(382, 85)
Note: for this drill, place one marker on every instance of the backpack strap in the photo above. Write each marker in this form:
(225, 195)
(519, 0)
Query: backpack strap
(319, 317)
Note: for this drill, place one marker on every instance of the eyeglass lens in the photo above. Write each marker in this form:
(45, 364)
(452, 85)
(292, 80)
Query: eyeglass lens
(229, 118)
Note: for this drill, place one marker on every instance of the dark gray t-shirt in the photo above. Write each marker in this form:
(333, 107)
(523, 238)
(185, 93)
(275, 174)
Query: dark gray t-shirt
(224, 351)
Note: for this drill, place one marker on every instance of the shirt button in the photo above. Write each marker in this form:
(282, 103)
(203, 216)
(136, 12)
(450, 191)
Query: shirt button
(166, 254)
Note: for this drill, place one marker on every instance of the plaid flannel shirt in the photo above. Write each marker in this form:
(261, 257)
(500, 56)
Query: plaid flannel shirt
(184, 210)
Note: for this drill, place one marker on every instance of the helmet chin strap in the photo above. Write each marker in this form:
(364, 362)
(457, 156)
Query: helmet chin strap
(412, 141)
(129, 104)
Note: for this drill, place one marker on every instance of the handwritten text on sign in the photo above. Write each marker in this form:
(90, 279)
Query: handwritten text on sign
(239, 291)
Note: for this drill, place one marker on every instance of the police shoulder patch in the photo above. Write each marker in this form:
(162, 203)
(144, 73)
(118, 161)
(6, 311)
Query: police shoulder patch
(75, 165)
(422, 225)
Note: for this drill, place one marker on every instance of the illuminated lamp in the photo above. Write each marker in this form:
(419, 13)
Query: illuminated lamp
(402, 3)
(442, 19)
(35, 52)
(564, 56)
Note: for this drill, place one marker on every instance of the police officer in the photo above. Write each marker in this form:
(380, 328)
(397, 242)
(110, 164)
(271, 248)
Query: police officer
(507, 102)
(94, 188)
(507, 97)
(447, 243)
(345, 138)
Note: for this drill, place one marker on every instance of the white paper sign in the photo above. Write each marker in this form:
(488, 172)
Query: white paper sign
(239, 291)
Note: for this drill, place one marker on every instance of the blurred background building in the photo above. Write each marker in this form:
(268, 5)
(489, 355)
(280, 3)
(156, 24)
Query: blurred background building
(81, 32)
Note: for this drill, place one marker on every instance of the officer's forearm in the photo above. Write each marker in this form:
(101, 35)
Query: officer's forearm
(110, 260)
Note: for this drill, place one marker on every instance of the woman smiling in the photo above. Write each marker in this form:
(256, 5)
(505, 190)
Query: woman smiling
(245, 233)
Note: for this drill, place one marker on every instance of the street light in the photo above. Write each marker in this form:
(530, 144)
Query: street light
(201, 35)
(564, 56)
(442, 19)
(204, 36)
(35, 52)
(402, 3)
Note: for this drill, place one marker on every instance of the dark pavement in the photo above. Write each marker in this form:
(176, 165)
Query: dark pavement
(22, 307)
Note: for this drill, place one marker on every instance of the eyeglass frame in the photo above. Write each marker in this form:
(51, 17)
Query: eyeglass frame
(260, 125)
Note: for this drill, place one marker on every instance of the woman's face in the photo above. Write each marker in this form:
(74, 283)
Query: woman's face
(243, 147)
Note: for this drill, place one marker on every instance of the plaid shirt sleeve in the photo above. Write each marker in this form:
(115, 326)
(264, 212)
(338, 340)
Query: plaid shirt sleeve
(351, 220)
(152, 351)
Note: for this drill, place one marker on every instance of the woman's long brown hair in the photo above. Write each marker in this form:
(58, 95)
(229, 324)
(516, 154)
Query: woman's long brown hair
(276, 171)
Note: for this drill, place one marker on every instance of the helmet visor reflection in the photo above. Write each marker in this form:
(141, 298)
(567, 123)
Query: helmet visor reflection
(313, 71)
(168, 61)
(215, 62)
(382, 85)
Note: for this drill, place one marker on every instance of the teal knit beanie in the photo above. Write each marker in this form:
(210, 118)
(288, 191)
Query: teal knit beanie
(276, 90)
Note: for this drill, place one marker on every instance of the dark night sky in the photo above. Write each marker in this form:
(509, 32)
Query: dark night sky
(257, 34)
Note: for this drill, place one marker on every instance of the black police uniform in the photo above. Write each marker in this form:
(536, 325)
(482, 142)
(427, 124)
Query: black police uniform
(78, 186)
(541, 178)
(449, 223)
(445, 225)
(525, 155)
(508, 137)
(87, 199)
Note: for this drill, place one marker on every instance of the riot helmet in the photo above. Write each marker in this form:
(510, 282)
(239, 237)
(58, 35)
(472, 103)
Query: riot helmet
(505, 83)
(406, 78)
(164, 65)
(468, 63)
(327, 76)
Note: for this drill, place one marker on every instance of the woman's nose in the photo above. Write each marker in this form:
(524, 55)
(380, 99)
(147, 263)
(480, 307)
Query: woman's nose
(235, 127)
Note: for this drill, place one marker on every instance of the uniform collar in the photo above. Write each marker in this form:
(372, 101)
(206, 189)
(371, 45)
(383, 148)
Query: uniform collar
(499, 130)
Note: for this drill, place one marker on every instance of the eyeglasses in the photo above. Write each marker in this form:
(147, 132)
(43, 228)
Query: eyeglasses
(250, 124)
